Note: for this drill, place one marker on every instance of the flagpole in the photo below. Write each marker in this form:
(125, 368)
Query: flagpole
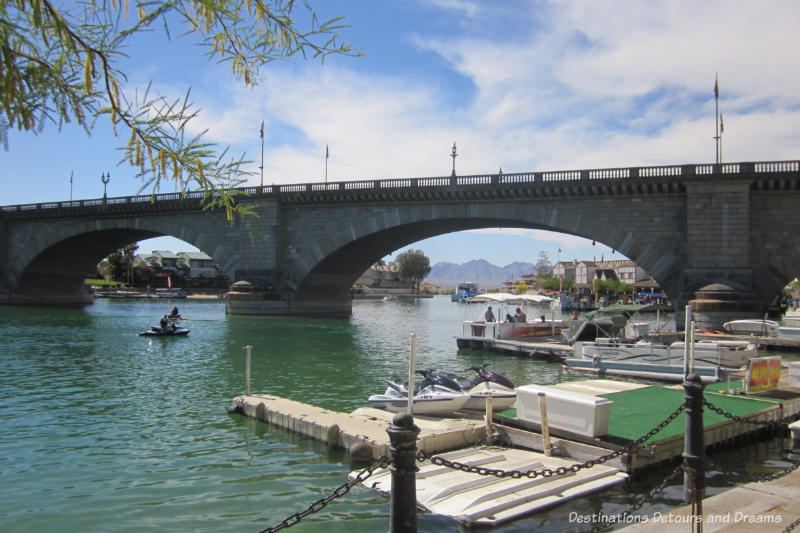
(70, 185)
(262, 156)
(326, 163)
(716, 117)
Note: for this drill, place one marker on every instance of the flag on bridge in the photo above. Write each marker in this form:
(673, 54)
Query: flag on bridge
(721, 126)
(716, 89)
(262, 129)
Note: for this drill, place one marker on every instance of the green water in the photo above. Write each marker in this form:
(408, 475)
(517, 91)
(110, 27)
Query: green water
(103, 430)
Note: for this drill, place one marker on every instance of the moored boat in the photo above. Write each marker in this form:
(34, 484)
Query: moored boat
(464, 291)
(710, 359)
(752, 326)
(506, 327)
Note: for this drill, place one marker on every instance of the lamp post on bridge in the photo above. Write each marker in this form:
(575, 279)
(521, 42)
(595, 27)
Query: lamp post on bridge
(453, 154)
(105, 178)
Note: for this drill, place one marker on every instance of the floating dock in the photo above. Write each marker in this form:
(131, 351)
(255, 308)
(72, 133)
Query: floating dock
(364, 425)
(544, 349)
(637, 409)
(474, 499)
(487, 500)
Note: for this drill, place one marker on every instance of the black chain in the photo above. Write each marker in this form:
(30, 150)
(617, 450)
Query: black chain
(753, 478)
(730, 416)
(338, 492)
(548, 472)
(636, 503)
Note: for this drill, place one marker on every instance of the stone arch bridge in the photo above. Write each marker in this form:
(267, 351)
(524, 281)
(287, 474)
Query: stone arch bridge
(687, 225)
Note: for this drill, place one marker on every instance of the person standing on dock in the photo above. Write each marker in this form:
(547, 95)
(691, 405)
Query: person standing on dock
(489, 316)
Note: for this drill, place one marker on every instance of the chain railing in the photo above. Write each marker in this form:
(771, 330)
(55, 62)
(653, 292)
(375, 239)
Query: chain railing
(636, 502)
(782, 421)
(340, 491)
(548, 472)
(750, 478)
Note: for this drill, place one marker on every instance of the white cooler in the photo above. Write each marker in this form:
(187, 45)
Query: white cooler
(583, 414)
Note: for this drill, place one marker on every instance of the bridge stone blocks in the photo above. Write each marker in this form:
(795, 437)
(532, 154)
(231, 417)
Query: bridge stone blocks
(688, 226)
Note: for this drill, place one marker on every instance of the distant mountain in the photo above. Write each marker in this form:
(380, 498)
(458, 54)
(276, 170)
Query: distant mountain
(480, 271)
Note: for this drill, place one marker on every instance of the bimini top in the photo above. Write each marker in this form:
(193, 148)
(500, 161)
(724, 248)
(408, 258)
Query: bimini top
(628, 310)
(511, 299)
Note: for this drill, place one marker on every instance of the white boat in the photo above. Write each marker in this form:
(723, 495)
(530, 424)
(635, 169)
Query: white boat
(504, 328)
(464, 291)
(432, 400)
(711, 359)
(752, 326)
(789, 332)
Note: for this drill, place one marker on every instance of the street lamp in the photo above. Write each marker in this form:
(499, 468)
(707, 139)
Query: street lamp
(453, 154)
(105, 178)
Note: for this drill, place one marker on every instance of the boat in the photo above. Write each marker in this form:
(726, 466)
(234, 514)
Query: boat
(464, 291)
(752, 326)
(511, 329)
(156, 331)
(170, 292)
(712, 360)
(789, 332)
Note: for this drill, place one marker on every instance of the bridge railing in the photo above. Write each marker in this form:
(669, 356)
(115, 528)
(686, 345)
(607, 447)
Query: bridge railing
(482, 180)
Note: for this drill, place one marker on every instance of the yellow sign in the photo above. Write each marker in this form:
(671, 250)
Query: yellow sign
(763, 373)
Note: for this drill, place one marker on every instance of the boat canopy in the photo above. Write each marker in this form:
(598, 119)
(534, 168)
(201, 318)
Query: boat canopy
(511, 299)
(628, 310)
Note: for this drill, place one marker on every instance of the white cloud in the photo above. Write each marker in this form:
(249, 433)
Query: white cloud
(588, 87)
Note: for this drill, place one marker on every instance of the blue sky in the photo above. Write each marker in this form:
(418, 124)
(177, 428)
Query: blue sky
(522, 85)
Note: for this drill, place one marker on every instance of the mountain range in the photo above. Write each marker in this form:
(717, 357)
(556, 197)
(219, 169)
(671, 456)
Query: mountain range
(480, 271)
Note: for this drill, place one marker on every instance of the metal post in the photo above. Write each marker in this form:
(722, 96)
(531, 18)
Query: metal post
(248, 350)
(488, 414)
(403, 503)
(687, 324)
(694, 449)
(412, 362)
(545, 425)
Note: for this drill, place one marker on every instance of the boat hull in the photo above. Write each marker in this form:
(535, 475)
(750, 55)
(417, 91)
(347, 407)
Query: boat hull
(434, 405)
(661, 372)
(180, 332)
(733, 354)
(761, 328)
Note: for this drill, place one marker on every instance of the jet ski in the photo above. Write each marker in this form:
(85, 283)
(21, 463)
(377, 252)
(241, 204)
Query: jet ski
(437, 395)
(486, 383)
(157, 331)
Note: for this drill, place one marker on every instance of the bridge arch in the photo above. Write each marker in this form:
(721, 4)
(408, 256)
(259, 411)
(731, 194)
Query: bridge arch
(329, 267)
(51, 265)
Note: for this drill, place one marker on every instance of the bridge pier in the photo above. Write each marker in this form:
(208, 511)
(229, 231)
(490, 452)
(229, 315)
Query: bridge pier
(241, 301)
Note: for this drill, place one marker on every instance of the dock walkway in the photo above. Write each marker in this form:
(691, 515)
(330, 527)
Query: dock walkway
(769, 506)
(362, 425)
